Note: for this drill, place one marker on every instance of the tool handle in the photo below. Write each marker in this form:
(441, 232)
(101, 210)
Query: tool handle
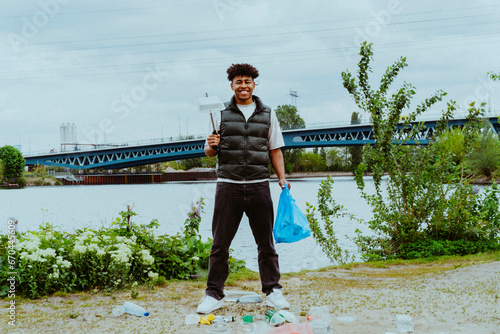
(215, 147)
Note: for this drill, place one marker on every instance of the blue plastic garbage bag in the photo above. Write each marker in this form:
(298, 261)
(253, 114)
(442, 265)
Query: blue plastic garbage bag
(291, 225)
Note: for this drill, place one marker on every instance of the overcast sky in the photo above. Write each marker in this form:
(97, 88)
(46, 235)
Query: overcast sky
(131, 70)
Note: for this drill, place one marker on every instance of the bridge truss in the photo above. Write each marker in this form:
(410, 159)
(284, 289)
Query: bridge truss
(128, 156)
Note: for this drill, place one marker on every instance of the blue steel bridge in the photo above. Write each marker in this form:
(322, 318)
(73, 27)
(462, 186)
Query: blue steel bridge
(128, 155)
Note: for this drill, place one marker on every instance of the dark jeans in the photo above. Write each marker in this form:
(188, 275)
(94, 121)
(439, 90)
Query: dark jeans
(231, 201)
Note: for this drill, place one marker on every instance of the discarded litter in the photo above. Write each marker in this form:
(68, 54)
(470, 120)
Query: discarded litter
(404, 323)
(346, 318)
(130, 308)
(247, 327)
(251, 298)
(274, 318)
(207, 320)
(220, 318)
(301, 328)
(248, 318)
(192, 319)
(319, 320)
(219, 328)
(243, 297)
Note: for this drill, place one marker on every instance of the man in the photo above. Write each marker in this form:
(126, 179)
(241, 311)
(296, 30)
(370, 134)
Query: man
(249, 138)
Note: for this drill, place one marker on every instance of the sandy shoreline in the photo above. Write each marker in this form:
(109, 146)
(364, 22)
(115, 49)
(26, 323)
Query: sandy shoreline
(451, 297)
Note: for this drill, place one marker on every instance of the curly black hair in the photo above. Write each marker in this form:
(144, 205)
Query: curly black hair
(241, 69)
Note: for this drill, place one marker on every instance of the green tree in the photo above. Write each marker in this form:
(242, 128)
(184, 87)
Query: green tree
(1, 170)
(451, 143)
(485, 158)
(414, 214)
(209, 162)
(13, 163)
(289, 118)
(334, 159)
(187, 164)
(312, 162)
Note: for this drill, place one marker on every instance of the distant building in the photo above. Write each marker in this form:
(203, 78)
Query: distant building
(68, 136)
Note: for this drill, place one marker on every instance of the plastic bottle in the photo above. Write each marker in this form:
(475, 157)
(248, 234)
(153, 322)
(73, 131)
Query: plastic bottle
(250, 298)
(220, 318)
(219, 328)
(320, 326)
(319, 320)
(274, 318)
(130, 308)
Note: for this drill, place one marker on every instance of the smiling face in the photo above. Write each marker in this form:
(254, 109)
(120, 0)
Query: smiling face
(243, 87)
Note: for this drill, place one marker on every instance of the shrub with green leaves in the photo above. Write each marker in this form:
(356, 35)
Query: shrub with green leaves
(484, 160)
(416, 197)
(120, 256)
(323, 232)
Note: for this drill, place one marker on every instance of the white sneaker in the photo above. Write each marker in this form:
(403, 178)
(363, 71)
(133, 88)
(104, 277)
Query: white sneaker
(275, 299)
(209, 304)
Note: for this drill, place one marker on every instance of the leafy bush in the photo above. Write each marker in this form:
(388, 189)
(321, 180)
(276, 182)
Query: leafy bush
(121, 256)
(419, 200)
(484, 160)
(13, 162)
(325, 235)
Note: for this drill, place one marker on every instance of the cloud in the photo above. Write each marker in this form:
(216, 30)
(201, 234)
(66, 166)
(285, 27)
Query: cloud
(91, 62)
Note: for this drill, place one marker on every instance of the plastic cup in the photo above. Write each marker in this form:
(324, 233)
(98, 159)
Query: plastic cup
(404, 323)
(118, 311)
(247, 327)
(248, 318)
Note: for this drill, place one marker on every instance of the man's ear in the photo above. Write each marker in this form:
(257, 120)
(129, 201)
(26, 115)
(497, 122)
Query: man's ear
(232, 86)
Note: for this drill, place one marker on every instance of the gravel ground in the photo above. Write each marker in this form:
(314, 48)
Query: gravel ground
(450, 297)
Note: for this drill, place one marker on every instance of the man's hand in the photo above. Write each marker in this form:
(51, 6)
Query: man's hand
(283, 182)
(212, 140)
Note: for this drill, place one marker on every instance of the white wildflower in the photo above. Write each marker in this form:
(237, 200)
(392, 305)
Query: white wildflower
(146, 257)
(153, 276)
(48, 252)
(122, 254)
(80, 249)
(100, 252)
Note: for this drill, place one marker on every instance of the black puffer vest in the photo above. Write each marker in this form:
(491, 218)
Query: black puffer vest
(243, 148)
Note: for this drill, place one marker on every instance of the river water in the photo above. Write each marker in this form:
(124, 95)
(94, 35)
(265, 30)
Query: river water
(74, 207)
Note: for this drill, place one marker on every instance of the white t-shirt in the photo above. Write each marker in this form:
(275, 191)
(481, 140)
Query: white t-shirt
(274, 138)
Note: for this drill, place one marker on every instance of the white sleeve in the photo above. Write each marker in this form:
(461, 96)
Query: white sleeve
(275, 136)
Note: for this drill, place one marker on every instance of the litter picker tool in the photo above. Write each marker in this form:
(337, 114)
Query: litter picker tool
(210, 104)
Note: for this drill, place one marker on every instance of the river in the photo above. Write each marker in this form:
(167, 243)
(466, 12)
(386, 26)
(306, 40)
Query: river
(74, 207)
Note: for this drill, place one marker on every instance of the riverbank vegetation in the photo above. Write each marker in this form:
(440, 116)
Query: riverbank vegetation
(11, 166)
(110, 258)
(424, 203)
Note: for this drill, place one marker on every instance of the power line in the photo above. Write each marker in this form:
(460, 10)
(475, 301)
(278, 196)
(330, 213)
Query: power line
(230, 38)
(114, 10)
(201, 63)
